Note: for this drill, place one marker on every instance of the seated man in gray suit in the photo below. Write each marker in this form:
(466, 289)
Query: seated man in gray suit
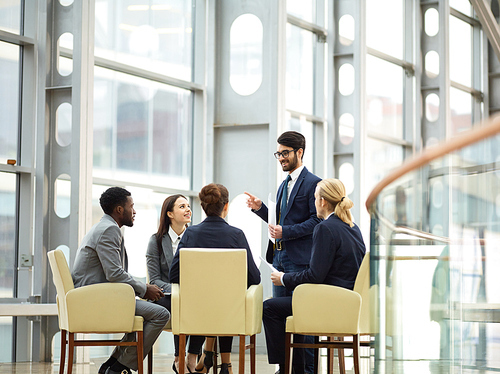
(102, 258)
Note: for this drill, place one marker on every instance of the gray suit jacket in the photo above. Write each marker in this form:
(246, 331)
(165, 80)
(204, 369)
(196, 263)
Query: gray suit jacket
(159, 262)
(102, 257)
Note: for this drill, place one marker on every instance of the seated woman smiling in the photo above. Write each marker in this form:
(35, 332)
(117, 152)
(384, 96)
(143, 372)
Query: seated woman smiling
(174, 218)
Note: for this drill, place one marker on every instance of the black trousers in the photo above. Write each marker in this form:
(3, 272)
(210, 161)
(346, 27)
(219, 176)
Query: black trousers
(275, 312)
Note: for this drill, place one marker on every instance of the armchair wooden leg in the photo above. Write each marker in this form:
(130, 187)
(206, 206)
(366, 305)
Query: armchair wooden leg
(63, 351)
(150, 361)
(252, 354)
(214, 368)
(316, 356)
(71, 349)
(329, 354)
(341, 355)
(355, 353)
(288, 353)
(241, 363)
(182, 352)
(140, 351)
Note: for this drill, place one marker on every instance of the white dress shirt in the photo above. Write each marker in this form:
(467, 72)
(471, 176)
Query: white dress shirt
(294, 175)
(174, 238)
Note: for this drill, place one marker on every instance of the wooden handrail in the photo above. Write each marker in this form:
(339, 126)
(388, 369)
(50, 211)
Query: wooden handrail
(487, 129)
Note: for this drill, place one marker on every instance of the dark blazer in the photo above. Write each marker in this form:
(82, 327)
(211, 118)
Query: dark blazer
(336, 256)
(158, 261)
(299, 221)
(215, 232)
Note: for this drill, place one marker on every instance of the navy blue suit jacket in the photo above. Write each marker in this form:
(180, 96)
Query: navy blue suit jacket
(215, 232)
(336, 256)
(299, 220)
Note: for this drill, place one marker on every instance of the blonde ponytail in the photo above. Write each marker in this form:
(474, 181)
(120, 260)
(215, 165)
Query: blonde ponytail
(333, 191)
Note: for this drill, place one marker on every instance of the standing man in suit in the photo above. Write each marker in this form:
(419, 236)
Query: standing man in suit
(295, 215)
(101, 258)
(295, 212)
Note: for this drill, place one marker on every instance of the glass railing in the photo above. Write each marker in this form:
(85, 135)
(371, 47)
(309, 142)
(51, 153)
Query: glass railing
(435, 258)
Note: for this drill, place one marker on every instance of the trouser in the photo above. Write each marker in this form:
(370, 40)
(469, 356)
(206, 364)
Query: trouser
(282, 262)
(275, 312)
(155, 319)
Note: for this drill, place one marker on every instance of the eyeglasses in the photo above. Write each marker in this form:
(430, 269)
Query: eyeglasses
(283, 154)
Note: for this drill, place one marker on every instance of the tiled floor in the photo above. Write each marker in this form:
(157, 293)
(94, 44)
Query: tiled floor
(162, 364)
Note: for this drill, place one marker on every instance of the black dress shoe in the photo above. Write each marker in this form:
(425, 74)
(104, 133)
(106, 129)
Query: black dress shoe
(106, 364)
(124, 371)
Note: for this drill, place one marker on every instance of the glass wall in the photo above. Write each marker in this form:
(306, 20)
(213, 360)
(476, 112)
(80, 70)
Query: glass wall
(305, 71)
(10, 149)
(141, 128)
(143, 114)
(385, 89)
(155, 36)
(437, 291)
(9, 101)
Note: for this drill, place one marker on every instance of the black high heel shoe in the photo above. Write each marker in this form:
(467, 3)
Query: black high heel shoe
(174, 368)
(208, 362)
(224, 369)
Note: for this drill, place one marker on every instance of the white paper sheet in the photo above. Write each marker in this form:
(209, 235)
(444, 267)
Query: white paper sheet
(267, 263)
(271, 214)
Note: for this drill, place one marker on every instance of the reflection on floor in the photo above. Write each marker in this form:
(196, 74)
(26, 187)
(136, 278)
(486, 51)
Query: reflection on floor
(163, 364)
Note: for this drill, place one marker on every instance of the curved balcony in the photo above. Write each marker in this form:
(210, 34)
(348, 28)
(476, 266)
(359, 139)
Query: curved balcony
(435, 258)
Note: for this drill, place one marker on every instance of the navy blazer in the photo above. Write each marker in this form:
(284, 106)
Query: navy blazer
(299, 220)
(215, 232)
(336, 256)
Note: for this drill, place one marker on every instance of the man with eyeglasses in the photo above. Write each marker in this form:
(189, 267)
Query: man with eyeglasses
(295, 215)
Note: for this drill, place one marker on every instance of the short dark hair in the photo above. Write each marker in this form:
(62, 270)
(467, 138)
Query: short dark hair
(293, 139)
(113, 197)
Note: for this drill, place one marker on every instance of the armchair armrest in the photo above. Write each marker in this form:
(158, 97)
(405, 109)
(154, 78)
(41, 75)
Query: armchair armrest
(174, 313)
(103, 307)
(253, 309)
(319, 308)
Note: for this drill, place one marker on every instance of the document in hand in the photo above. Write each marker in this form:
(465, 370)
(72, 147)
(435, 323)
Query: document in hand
(268, 264)
(271, 215)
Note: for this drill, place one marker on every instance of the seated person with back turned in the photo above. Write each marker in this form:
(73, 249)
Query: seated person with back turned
(215, 232)
(174, 217)
(102, 258)
(336, 256)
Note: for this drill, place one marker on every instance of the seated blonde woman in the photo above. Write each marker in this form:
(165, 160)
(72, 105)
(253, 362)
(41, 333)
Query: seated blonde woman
(337, 252)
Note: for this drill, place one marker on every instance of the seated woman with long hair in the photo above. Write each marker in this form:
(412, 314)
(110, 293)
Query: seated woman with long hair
(174, 218)
(215, 232)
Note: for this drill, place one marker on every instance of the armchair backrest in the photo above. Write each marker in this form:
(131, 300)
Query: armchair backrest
(60, 272)
(63, 282)
(362, 286)
(212, 288)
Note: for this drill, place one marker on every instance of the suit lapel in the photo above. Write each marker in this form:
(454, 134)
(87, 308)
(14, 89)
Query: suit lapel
(166, 245)
(124, 255)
